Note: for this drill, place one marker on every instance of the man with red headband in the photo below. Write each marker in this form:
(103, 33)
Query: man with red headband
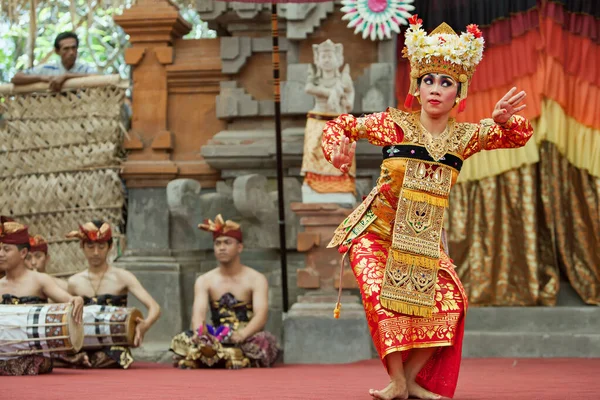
(22, 286)
(238, 300)
(38, 258)
(103, 284)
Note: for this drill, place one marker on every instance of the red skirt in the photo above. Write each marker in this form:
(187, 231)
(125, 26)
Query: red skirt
(393, 331)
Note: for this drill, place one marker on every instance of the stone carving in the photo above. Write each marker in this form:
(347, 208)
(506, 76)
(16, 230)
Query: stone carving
(304, 18)
(188, 207)
(375, 88)
(373, 100)
(257, 206)
(236, 50)
(332, 87)
(233, 101)
(294, 99)
(301, 18)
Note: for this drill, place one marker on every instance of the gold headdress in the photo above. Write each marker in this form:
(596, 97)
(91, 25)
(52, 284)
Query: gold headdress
(89, 232)
(221, 227)
(442, 51)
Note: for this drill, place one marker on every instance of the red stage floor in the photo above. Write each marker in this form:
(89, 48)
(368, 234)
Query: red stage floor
(489, 379)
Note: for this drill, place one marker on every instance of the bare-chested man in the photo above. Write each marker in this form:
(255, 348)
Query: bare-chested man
(23, 286)
(103, 284)
(238, 300)
(38, 258)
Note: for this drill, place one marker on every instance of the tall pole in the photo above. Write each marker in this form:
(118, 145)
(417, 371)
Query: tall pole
(279, 151)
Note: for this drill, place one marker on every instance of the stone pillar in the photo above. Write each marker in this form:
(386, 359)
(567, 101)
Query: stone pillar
(150, 142)
(310, 323)
(175, 83)
(153, 27)
(319, 221)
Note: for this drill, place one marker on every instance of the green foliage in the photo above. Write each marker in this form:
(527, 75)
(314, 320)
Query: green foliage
(101, 41)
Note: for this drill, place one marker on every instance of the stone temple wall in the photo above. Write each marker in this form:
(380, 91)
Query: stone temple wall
(212, 149)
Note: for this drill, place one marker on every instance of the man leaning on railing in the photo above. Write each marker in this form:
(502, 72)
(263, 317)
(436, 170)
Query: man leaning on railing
(56, 73)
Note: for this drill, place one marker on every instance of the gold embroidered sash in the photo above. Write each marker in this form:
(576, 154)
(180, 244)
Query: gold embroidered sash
(413, 261)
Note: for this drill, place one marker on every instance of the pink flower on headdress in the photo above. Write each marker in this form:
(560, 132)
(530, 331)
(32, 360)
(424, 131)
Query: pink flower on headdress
(474, 30)
(415, 20)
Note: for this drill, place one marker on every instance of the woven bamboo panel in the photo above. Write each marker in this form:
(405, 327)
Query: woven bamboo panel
(99, 102)
(59, 166)
(62, 192)
(58, 159)
(56, 133)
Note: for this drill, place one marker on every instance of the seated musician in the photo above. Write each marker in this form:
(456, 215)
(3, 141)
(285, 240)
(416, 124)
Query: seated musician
(38, 258)
(23, 286)
(238, 299)
(103, 284)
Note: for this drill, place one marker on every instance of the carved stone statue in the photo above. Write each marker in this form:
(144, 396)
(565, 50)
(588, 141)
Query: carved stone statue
(332, 87)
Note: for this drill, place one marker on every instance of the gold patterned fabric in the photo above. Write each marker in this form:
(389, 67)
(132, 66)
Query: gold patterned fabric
(418, 190)
(571, 203)
(412, 269)
(512, 236)
(503, 254)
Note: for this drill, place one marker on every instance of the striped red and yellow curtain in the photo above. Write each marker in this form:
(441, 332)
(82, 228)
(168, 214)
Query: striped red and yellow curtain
(522, 220)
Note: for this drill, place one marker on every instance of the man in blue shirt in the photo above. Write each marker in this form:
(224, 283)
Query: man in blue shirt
(56, 73)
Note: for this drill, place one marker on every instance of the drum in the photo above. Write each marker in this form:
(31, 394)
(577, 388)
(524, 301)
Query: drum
(109, 326)
(42, 329)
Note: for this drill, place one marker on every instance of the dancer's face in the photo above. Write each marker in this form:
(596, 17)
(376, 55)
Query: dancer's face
(438, 94)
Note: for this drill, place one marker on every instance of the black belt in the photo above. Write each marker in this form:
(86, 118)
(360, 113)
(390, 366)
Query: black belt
(420, 153)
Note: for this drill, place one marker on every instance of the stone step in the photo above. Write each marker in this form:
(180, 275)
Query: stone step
(580, 320)
(479, 344)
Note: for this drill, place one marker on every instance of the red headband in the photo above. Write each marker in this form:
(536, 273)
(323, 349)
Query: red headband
(222, 228)
(12, 232)
(37, 243)
(89, 232)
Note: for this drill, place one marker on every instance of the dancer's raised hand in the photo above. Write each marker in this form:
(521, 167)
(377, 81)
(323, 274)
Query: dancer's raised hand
(508, 106)
(343, 156)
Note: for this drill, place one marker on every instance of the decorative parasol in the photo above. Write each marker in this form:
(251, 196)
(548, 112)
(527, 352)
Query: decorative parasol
(377, 19)
(279, 151)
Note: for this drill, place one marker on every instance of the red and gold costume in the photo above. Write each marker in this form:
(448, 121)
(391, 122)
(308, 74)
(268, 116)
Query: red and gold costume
(411, 294)
(320, 175)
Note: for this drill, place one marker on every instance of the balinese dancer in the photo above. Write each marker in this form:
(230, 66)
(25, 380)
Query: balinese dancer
(414, 302)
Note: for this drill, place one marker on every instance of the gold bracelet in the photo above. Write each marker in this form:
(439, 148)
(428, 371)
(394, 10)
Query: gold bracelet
(361, 128)
(486, 125)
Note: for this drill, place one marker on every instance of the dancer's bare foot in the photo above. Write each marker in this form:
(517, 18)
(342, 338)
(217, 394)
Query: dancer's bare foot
(416, 391)
(395, 390)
